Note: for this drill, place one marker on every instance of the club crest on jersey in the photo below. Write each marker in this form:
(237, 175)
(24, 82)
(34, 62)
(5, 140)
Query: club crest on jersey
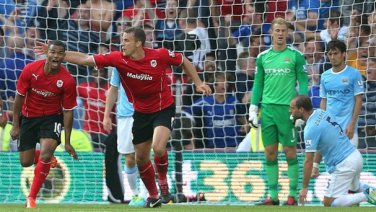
(345, 81)
(287, 60)
(59, 83)
(153, 63)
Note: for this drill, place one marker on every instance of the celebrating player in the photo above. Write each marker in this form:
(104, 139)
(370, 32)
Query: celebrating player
(142, 74)
(343, 161)
(278, 70)
(46, 93)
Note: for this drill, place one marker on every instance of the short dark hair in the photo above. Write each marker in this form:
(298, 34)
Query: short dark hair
(57, 43)
(303, 101)
(336, 44)
(139, 34)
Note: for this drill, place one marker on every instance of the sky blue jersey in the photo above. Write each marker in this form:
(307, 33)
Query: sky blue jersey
(124, 108)
(322, 133)
(340, 90)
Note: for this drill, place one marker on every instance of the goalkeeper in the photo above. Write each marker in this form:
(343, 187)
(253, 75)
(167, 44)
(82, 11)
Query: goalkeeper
(278, 70)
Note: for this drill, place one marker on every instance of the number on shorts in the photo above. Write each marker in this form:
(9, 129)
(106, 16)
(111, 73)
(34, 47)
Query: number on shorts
(57, 129)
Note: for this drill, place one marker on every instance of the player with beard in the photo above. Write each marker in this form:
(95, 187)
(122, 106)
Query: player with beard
(44, 103)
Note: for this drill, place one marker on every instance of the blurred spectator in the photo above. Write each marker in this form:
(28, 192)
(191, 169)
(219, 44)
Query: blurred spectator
(80, 37)
(275, 8)
(144, 10)
(357, 58)
(326, 6)
(115, 41)
(252, 23)
(313, 54)
(220, 9)
(367, 117)
(11, 68)
(32, 35)
(102, 13)
(207, 75)
(334, 28)
(372, 37)
(244, 75)
(3, 48)
(224, 121)
(166, 30)
(52, 17)
(305, 17)
(21, 11)
(189, 24)
(93, 94)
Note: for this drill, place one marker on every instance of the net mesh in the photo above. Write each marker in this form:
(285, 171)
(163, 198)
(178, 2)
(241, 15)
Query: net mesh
(222, 40)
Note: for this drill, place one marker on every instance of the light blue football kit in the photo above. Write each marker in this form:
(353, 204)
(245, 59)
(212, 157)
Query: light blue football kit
(322, 133)
(340, 89)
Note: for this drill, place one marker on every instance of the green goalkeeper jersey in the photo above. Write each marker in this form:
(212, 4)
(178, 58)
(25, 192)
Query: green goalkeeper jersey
(276, 77)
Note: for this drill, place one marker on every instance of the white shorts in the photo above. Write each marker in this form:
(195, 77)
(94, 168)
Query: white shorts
(124, 135)
(346, 176)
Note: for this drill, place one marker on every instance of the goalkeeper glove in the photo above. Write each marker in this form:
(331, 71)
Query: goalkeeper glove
(253, 119)
(297, 122)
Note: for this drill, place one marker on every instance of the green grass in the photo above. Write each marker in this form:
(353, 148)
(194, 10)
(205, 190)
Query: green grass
(177, 208)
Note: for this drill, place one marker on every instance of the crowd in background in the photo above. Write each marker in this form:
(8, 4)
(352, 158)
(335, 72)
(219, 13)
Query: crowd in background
(221, 38)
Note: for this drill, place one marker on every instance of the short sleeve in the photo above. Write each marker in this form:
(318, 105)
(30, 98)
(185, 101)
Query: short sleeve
(70, 95)
(171, 58)
(115, 78)
(23, 84)
(358, 83)
(311, 140)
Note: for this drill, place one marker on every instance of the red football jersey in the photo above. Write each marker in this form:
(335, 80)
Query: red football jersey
(145, 81)
(94, 99)
(46, 94)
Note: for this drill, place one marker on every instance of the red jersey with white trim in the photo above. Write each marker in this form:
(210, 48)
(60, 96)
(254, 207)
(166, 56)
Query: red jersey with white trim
(46, 94)
(145, 81)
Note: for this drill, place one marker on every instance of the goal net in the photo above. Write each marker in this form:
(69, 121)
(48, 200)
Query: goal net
(212, 151)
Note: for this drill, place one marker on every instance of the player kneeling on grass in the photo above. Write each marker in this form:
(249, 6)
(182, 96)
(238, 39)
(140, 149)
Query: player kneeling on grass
(343, 161)
(51, 98)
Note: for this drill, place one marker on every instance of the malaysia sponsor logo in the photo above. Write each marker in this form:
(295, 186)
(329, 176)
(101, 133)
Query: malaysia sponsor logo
(59, 83)
(43, 93)
(140, 76)
(153, 63)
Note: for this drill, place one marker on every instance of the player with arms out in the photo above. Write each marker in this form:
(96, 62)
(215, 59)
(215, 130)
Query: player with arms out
(343, 161)
(341, 92)
(278, 70)
(143, 75)
(45, 99)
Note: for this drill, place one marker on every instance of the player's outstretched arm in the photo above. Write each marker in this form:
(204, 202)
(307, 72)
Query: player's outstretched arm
(68, 124)
(71, 56)
(190, 70)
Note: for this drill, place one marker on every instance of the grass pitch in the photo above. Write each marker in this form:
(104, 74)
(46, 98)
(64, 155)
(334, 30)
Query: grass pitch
(177, 208)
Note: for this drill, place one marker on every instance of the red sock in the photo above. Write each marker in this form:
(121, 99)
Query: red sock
(147, 175)
(40, 173)
(162, 164)
(36, 156)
